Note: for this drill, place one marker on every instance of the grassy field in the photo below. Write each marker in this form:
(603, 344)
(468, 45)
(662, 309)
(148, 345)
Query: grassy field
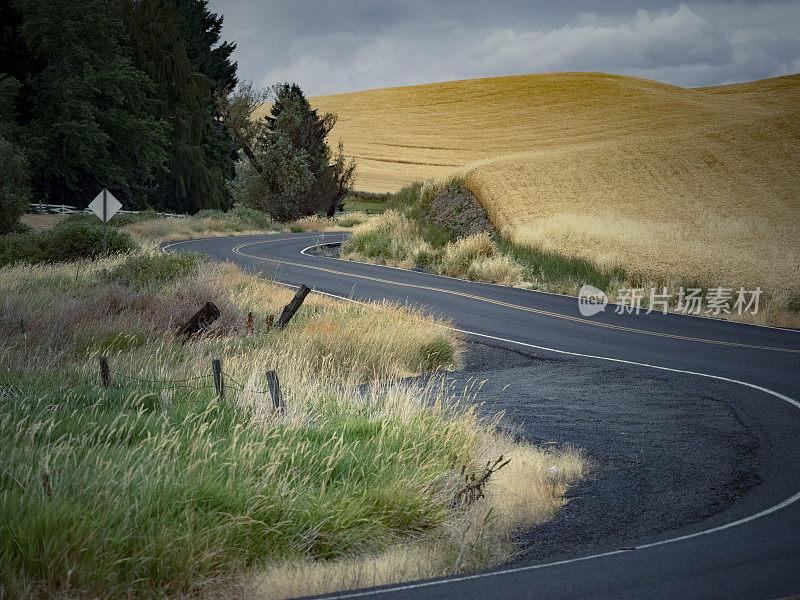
(669, 183)
(41, 222)
(156, 488)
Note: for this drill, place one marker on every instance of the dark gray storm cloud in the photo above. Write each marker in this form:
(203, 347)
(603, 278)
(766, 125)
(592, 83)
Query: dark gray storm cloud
(331, 47)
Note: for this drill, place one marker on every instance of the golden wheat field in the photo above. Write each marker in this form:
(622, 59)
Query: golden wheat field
(672, 182)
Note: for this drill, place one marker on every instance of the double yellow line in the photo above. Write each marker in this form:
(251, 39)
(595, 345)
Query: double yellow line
(238, 250)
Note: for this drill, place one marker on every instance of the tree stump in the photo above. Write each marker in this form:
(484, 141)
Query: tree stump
(200, 321)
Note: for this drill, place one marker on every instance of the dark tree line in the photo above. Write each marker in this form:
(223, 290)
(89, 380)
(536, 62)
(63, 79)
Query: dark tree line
(141, 97)
(117, 94)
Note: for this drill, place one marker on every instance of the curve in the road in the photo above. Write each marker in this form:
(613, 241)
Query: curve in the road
(737, 356)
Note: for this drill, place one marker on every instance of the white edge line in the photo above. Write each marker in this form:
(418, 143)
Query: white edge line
(788, 501)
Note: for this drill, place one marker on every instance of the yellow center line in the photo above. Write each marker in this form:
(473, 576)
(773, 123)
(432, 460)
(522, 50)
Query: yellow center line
(238, 250)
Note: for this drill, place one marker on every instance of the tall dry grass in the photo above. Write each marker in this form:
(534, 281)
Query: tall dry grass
(522, 494)
(389, 239)
(161, 230)
(477, 258)
(156, 488)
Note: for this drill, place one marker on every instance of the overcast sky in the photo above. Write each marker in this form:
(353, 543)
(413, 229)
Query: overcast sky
(332, 47)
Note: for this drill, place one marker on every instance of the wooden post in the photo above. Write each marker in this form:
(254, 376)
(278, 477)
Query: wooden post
(274, 390)
(219, 382)
(105, 372)
(292, 307)
(200, 321)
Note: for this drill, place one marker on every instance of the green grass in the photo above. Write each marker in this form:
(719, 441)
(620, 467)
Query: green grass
(558, 271)
(148, 489)
(143, 496)
(155, 270)
(156, 488)
(364, 202)
(74, 238)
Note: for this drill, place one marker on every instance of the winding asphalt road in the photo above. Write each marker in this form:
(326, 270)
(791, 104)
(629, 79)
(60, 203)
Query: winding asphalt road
(751, 550)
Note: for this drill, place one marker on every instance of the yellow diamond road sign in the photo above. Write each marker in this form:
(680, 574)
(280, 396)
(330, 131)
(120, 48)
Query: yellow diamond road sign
(105, 205)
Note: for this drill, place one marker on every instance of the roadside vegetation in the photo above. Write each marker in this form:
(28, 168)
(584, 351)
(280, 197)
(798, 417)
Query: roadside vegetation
(425, 227)
(154, 487)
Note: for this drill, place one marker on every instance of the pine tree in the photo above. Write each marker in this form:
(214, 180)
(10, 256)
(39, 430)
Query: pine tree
(14, 181)
(200, 150)
(91, 124)
(290, 170)
(202, 31)
(291, 116)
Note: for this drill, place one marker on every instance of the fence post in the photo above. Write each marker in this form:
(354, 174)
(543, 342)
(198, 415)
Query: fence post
(274, 390)
(105, 372)
(292, 307)
(219, 382)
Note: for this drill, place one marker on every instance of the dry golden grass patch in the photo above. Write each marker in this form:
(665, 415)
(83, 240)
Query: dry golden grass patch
(405, 134)
(717, 205)
(169, 230)
(42, 222)
(476, 258)
(314, 223)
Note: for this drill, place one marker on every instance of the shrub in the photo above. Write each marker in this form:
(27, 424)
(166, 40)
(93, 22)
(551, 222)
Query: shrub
(74, 238)
(477, 258)
(311, 223)
(251, 217)
(444, 210)
(406, 197)
(389, 237)
(21, 247)
(458, 256)
(351, 219)
(121, 220)
(210, 213)
(154, 270)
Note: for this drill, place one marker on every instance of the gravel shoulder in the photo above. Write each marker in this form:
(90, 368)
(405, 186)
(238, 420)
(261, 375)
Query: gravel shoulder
(665, 453)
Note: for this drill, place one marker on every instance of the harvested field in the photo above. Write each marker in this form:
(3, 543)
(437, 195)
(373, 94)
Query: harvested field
(671, 182)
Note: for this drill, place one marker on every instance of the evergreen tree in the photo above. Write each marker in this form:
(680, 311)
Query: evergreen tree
(201, 153)
(91, 122)
(14, 183)
(292, 117)
(298, 174)
(17, 60)
(202, 31)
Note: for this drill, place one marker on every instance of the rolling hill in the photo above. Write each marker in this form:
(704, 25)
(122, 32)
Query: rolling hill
(672, 182)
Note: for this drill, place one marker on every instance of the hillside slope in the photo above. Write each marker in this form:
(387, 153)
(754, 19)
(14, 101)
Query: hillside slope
(698, 183)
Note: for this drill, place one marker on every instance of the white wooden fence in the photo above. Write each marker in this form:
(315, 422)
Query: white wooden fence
(66, 209)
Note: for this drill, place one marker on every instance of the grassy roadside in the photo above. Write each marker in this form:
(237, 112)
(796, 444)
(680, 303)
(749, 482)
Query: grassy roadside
(155, 488)
(407, 235)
